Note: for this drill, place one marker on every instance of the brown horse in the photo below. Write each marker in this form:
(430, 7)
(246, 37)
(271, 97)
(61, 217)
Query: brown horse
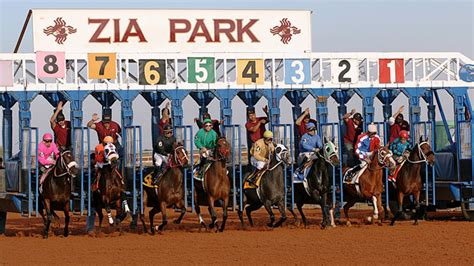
(57, 190)
(370, 183)
(409, 178)
(215, 186)
(111, 192)
(170, 191)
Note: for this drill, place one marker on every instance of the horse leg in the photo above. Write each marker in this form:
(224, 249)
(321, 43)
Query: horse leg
(249, 209)
(180, 205)
(165, 218)
(224, 211)
(375, 204)
(109, 215)
(142, 218)
(299, 205)
(213, 213)
(240, 213)
(268, 207)
(281, 209)
(101, 217)
(381, 210)
(400, 208)
(66, 218)
(347, 206)
(416, 195)
(47, 206)
(197, 208)
(151, 214)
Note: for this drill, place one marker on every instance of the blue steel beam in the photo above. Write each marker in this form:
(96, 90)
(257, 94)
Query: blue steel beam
(155, 99)
(177, 96)
(202, 98)
(322, 111)
(105, 98)
(368, 96)
(273, 97)
(226, 97)
(7, 101)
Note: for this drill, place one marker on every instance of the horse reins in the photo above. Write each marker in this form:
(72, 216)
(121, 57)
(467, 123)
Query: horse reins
(177, 161)
(421, 154)
(63, 164)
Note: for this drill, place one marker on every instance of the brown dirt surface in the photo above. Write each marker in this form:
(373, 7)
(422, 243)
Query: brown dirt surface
(439, 242)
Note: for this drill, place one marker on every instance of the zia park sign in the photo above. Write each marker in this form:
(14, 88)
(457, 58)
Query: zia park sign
(171, 31)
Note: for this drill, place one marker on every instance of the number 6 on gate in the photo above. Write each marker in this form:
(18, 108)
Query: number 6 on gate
(102, 66)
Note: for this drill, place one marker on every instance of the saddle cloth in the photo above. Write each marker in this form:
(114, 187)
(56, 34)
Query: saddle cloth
(300, 174)
(259, 174)
(394, 176)
(199, 174)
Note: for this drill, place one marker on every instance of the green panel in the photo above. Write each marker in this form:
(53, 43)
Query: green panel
(201, 70)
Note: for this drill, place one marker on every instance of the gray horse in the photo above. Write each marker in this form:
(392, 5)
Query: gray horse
(271, 190)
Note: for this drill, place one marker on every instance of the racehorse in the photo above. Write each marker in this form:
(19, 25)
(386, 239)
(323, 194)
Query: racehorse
(318, 184)
(370, 183)
(170, 190)
(214, 186)
(57, 190)
(409, 178)
(271, 190)
(111, 191)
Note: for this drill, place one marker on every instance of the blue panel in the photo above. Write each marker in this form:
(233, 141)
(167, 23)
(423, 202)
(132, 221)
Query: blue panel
(297, 71)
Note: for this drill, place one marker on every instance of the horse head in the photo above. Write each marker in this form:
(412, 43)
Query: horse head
(111, 154)
(180, 155)
(385, 158)
(425, 152)
(330, 152)
(67, 164)
(282, 154)
(223, 149)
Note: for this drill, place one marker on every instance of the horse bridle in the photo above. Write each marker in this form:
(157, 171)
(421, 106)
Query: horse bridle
(178, 161)
(381, 159)
(65, 166)
(421, 154)
(327, 159)
(278, 158)
(217, 153)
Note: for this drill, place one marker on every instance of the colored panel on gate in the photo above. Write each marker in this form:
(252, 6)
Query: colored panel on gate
(297, 71)
(201, 70)
(345, 71)
(6, 73)
(152, 72)
(391, 71)
(50, 64)
(250, 71)
(102, 66)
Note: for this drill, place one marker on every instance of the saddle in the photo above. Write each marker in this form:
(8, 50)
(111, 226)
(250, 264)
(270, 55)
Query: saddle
(199, 174)
(300, 173)
(351, 177)
(393, 177)
(258, 177)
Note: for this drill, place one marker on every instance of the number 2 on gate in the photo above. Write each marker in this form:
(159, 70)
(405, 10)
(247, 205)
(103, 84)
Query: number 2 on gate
(250, 71)
(102, 66)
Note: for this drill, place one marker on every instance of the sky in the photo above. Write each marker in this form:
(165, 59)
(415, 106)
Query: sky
(337, 26)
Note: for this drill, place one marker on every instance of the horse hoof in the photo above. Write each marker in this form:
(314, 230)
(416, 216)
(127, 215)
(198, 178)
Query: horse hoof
(66, 234)
(211, 226)
(45, 236)
(176, 221)
(415, 223)
(348, 224)
(270, 225)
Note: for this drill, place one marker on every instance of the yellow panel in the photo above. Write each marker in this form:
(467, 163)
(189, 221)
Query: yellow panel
(102, 66)
(250, 71)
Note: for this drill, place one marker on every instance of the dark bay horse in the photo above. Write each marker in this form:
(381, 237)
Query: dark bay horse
(215, 186)
(409, 178)
(370, 183)
(111, 192)
(319, 184)
(271, 190)
(170, 191)
(57, 190)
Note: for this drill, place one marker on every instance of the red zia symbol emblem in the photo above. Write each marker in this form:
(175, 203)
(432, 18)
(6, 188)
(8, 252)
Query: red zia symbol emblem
(285, 30)
(59, 30)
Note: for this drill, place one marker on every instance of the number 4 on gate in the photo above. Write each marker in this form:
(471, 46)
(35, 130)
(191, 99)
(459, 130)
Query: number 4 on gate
(250, 71)
(102, 66)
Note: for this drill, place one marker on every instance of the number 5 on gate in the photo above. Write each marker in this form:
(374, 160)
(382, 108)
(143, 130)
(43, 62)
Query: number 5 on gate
(102, 66)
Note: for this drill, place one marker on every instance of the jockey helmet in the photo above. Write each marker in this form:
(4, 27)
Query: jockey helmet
(310, 126)
(404, 134)
(207, 121)
(372, 128)
(268, 134)
(167, 128)
(357, 116)
(108, 139)
(47, 136)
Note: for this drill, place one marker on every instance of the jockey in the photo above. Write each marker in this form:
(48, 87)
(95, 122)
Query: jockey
(309, 145)
(162, 149)
(205, 140)
(401, 147)
(104, 153)
(48, 152)
(365, 145)
(261, 151)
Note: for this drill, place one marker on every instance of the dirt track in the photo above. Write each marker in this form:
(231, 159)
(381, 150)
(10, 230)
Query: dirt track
(431, 242)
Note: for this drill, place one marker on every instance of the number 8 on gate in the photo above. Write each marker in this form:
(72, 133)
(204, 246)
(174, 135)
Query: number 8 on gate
(50, 64)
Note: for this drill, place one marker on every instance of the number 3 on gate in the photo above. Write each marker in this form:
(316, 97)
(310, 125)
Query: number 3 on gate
(250, 71)
(102, 66)
(297, 71)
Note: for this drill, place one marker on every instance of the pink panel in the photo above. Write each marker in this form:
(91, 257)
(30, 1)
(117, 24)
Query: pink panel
(50, 64)
(6, 73)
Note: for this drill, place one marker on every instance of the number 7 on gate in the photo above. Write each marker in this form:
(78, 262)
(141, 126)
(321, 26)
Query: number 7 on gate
(102, 66)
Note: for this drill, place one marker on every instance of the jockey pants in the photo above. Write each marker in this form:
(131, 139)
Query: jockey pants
(257, 164)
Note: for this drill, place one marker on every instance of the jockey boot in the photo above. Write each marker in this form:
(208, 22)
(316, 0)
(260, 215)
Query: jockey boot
(156, 175)
(95, 185)
(252, 179)
(352, 173)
